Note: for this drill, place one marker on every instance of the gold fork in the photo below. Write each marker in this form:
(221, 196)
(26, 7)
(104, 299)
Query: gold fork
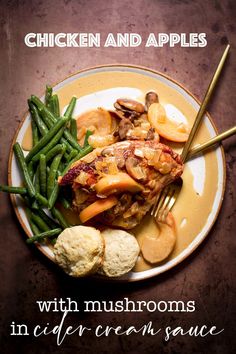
(167, 197)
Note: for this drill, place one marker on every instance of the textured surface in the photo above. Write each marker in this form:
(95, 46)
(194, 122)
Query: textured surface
(79, 250)
(121, 252)
(208, 276)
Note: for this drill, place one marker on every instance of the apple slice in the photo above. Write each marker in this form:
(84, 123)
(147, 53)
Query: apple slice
(98, 120)
(97, 207)
(117, 183)
(164, 126)
(156, 248)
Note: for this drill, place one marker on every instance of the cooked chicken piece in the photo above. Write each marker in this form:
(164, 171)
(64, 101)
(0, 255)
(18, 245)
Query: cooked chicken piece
(134, 171)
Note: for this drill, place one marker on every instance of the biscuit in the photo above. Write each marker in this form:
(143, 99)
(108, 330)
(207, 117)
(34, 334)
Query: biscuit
(121, 253)
(79, 250)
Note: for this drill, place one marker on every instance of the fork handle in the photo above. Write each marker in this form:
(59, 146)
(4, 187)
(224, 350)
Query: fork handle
(199, 148)
(203, 106)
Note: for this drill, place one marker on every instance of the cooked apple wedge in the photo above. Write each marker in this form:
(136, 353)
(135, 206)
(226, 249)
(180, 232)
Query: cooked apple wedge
(156, 248)
(97, 207)
(120, 182)
(164, 126)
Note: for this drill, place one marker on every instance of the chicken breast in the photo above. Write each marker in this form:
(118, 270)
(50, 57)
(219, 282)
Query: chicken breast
(133, 171)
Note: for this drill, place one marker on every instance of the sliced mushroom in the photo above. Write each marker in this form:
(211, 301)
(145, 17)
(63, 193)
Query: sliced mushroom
(118, 114)
(156, 248)
(119, 108)
(141, 119)
(107, 151)
(130, 105)
(133, 210)
(134, 169)
(120, 161)
(124, 203)
(151, 134)
(124, 126)
(151, 97)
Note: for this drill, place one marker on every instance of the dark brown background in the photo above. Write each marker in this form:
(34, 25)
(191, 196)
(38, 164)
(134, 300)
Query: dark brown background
(208, 276)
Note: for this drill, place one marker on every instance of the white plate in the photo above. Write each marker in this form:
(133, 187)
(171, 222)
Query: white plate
(105, 99)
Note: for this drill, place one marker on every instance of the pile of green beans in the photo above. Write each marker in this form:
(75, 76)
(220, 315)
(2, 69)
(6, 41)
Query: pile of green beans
(54, 149)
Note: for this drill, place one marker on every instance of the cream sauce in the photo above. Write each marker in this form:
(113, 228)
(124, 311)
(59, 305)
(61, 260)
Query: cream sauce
(27, 141)
(192, 209)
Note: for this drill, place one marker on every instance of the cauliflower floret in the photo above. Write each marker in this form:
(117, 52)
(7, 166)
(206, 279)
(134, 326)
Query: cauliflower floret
(79, 250)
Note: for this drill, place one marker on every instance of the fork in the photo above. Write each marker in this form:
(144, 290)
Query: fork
(167, 197)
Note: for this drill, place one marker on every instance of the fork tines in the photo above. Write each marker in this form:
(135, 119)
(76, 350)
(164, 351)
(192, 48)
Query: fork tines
(165, 201)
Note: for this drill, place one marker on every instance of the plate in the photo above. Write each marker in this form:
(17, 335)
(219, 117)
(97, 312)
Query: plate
(101, 86)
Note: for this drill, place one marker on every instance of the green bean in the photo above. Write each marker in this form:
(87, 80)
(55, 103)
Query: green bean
(70, 108)
(22, 164)
(27, 200)
(46, 119)
(30, 167)
(72, 141)
(35, 133)
(35, 205)
(71, 155)
(73, 128)
(52, 174)
(37, 119)
(43, 174)
(36, 181)
(50, 222)
(39, 222)
(34, 228)
(54, 106)
(53, 241)
(84, 152)
(69, 148)
(46, 138)
(27, 210)
(68, 113)
(66, 204)
(50, 119)
(46, 114)
(49, 146)
(41, 199)
(58, 216)
(54, 151)
(66, 156)
(48, 95)
(31, 203)
(51, 106)
(13, 190)
(44, 235)
(87, 135)
(60, 168)
(53, 196)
